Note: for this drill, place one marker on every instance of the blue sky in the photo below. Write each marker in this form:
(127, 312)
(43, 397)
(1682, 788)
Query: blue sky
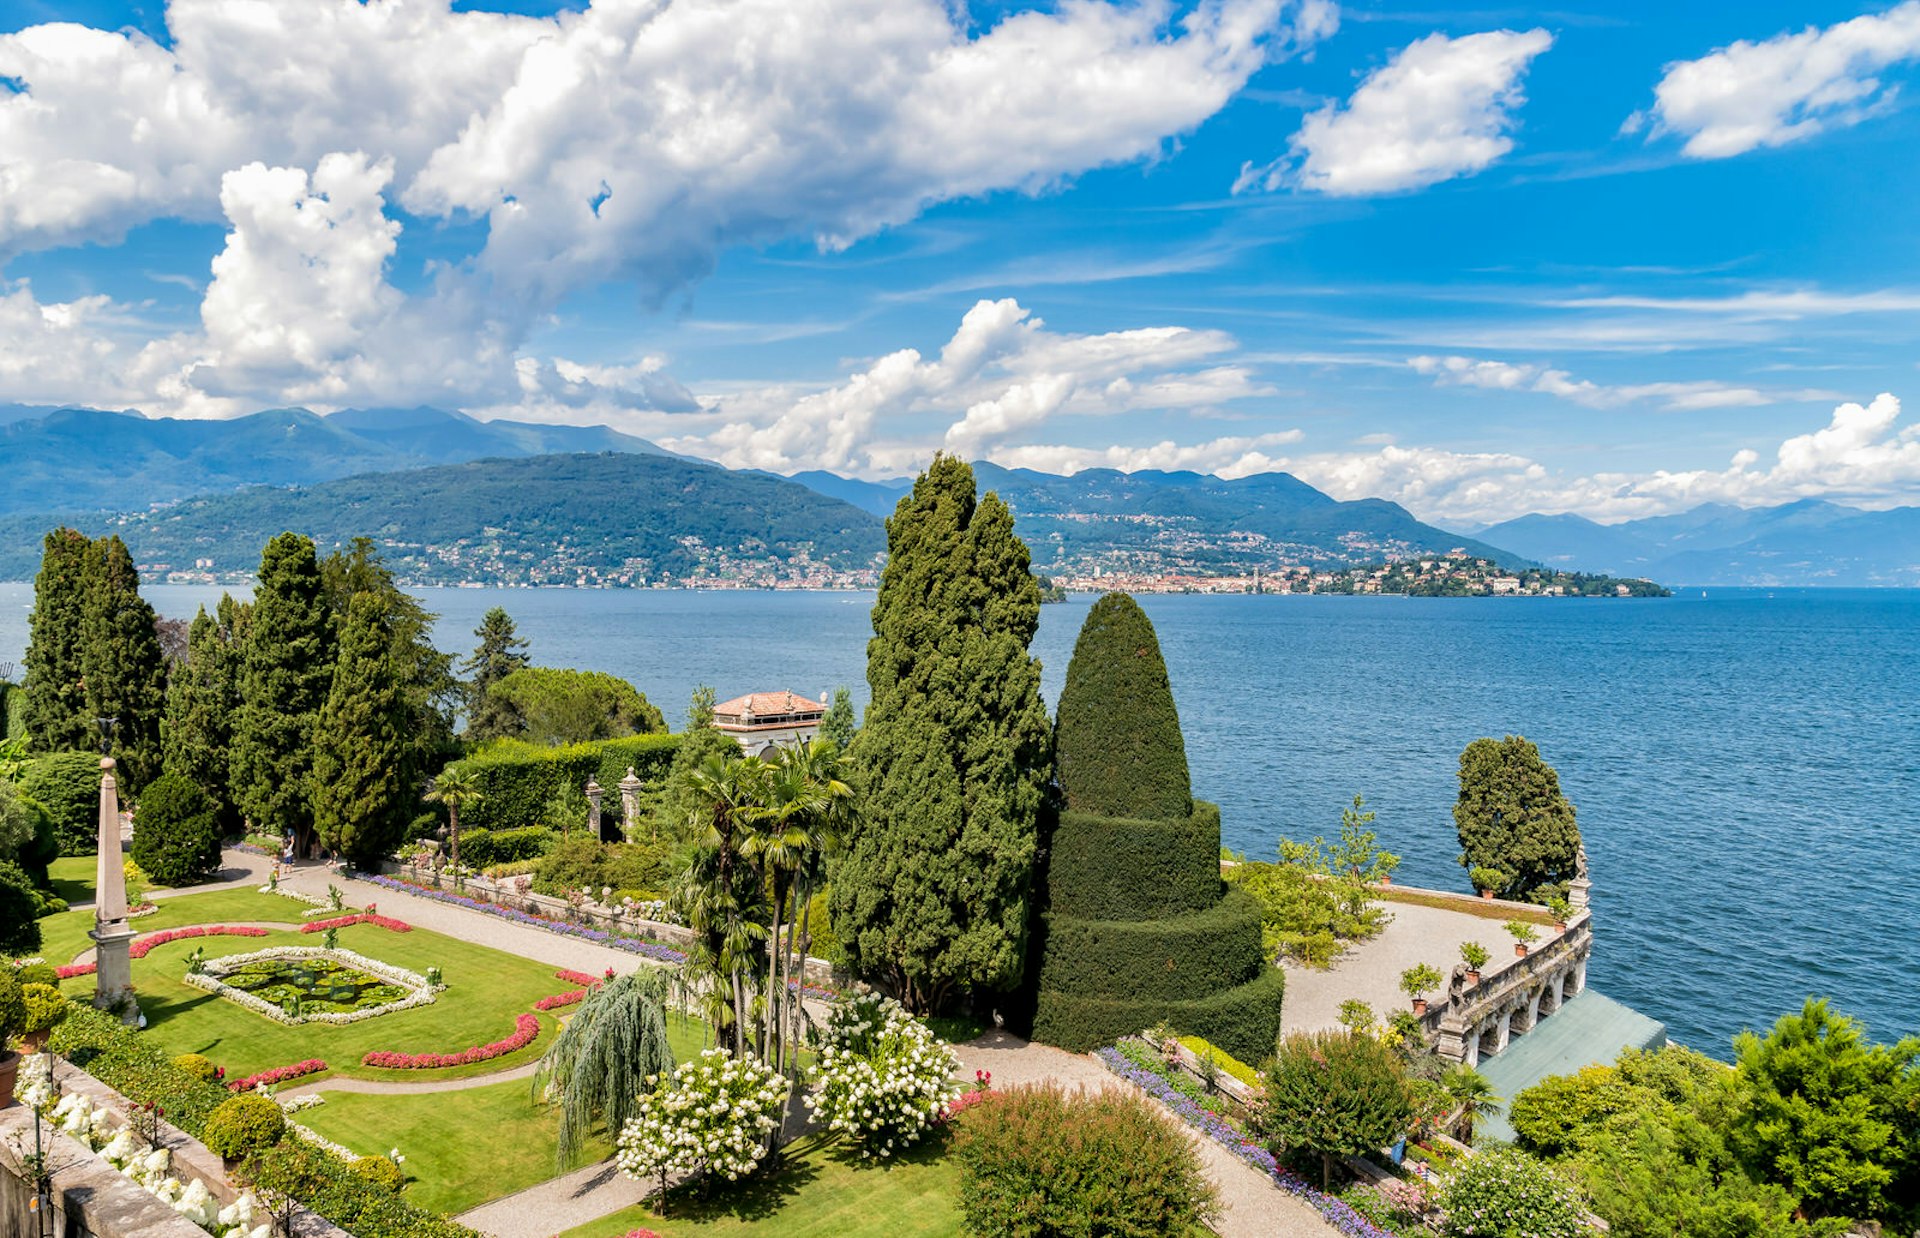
(1617, 259)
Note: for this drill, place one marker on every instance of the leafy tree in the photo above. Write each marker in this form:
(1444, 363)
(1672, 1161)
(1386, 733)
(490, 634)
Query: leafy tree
(1511, 817)
(1663, 1171)
(454, 790)
(285, 673)
(360, 796)
(501, 652)
(67, 785)
(840, 724)
(1334, 1094)
(561, 706)
(202, 695)
(120, 656)
(176, 833)
(1826, 1113)
(700, 707)
(26, 833)
(19, 912)
(605, 1058)
(56, 710)
(932, 891)
(1320, 895)
(681, 798)
(1504, 1193)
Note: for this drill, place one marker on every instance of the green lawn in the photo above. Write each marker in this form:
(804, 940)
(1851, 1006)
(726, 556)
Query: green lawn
(453, 1160)
(65, 935)
(72, 877)
(823, 1192)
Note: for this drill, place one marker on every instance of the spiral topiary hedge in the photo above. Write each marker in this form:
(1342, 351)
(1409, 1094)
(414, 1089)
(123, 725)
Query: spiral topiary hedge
(1122, 868)
(1243, 1020)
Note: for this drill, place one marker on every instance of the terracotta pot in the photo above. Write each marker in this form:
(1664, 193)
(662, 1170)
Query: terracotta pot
(33, 1042)
(1520, 949)
(1419, 1005)
(9, 1071)
(1473, 978)
(1558, 929)
(1387, 880)
(1487, 894)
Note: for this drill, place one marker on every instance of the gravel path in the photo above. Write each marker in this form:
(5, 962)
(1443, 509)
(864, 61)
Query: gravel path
(557, 1205)
(238, 870)
(1370, 970)
(1251, 1205)
(409, 1087)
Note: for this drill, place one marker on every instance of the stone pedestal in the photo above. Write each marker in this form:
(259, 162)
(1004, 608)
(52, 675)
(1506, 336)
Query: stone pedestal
(630, 803)
(593, 808)
(1579, 892)
(113, 969)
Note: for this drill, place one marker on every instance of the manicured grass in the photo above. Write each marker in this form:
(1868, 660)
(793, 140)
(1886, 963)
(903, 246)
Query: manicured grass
(72, 877)
(65, 935)
(823, 1192)
(467, 1147)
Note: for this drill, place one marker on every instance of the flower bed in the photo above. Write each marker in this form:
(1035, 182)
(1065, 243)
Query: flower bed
(279, 1074)
(577, 977)
(526, 1028)
(75, 969)
(618, 941)
(418, 991)
(361, 917)
(141, 946)
(1338, 1214)
(558, 1000)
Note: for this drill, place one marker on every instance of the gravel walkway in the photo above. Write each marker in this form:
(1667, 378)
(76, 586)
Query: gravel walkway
(1370, 970)
(1251, 1205)
(409, 1087)
(557, 1205)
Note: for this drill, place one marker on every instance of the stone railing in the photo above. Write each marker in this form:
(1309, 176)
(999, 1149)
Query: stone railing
(1512, 986)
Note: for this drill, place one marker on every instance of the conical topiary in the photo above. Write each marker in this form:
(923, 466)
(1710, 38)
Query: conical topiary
(1139, 928)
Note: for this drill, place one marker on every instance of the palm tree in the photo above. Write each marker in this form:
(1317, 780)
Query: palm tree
(604, 1057)
(1473, 1093)
(456, 788)
(718, 890)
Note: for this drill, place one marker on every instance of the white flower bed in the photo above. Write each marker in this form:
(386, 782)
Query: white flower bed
(323, 1143)
(148, 1167)
(883, 1076)
(209, 978)
(712, 1114)
(320, 906)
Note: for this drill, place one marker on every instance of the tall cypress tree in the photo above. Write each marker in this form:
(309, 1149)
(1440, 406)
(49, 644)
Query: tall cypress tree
(125, 671)
(500, 653)
(286, 670)
(201, 698)
(56, 711)
(931, 893)
(361, 795)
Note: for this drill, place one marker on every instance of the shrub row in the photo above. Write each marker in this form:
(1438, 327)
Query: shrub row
(1176, 959)
(1243, 1020)
(98, 1043)
(517, 779)
(1117, 868)
(483, 848)
(329, 1186)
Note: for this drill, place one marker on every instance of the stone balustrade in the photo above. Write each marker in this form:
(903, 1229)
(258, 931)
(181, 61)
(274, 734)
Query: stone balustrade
(1512, 994)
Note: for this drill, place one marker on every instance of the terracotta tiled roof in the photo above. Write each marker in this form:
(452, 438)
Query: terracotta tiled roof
(766, 704)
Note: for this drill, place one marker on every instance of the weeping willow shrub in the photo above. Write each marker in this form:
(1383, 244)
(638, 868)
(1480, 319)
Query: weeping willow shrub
(601, 1061)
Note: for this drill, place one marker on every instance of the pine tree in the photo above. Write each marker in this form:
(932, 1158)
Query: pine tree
(361, 798)
(202, 696)
(125, 672)
(840, 724)
(56, 710)
(932, 891)
(286, 670)
(500, 653)
(1131, 766)
(1511, 817)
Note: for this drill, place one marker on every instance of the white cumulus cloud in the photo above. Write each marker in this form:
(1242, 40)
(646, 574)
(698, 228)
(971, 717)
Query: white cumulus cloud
(1779, 90)
(1458, 371)
(1441, 108)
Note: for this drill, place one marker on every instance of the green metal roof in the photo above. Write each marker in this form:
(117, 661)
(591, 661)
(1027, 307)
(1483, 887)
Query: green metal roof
(1589, 1030)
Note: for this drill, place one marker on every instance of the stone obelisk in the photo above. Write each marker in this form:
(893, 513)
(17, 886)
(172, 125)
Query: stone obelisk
(113, 971)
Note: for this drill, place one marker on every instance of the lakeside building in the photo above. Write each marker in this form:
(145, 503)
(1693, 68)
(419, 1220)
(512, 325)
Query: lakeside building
(763, 721)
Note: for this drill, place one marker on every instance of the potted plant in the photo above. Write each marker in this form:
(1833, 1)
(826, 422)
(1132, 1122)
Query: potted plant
(1475, 956)
(1522, 934)
(1418, 981)
(1562, 912)
(1487, 880)
(13, 1021)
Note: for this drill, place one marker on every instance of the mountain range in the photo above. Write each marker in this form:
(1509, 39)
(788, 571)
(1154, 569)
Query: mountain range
(1807, 542)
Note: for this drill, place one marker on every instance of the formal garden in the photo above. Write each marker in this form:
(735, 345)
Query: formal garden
(529, 941)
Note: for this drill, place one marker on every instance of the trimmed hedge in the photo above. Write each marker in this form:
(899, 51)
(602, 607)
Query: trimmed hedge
(482, 848)
(517, 779)
(1121, 868)
(243, 1125)
(67, 785)
(1243, 1020)
(1177, 959)
(329, 1186)
(1118, 738)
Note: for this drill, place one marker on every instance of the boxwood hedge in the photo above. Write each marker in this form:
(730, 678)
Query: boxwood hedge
(1176, 959)
(1243, 1020)
(1121, 868)
(517, 779)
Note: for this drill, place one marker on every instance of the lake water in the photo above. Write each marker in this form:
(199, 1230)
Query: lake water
(1746, 764)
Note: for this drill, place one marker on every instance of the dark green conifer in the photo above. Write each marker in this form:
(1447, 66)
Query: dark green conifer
(176, 835)
(500, 653)
(361, 799)
(56, 709)
(286, 670)
(1118, 738)
(932, 891)
(202, 696)
(840, 723)
(1511, 817)
(125, 671)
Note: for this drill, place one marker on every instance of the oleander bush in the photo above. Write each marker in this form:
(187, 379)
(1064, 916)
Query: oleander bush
(381, 1172)
(517, 779)
(1038, 1160)
(243, 1125)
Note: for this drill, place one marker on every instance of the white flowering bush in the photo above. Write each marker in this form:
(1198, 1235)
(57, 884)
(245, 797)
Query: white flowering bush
(1504, 1193)
(883, 1077)
(711, 1115)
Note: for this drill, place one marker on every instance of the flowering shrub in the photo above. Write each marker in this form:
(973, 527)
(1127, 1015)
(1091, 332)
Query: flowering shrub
(525, 1029)
(1343, 1218)
(279, 1074)
(711, 1115)
(1504, 1193)
(580, 978)
(561, 999)
(143, 945)
(618, 941)
(318, 902)
(75, 969)
(364, 917)
(884, 1077)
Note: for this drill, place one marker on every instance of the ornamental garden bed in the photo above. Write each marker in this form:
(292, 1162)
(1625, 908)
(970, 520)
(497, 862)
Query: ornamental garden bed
(312, 984)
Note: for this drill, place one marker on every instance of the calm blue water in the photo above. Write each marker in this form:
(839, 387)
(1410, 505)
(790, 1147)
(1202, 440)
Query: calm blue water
(1746, 765)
